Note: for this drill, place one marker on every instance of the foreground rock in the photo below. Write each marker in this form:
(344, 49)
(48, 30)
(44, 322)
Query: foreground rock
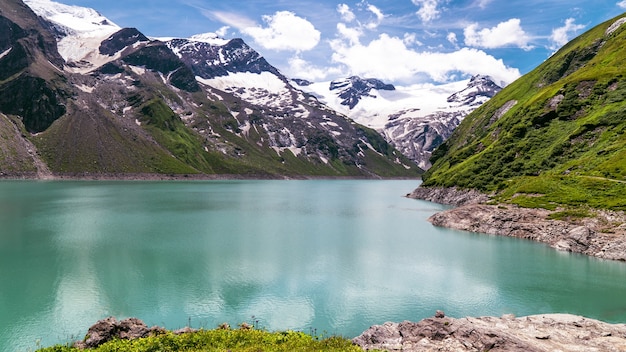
(601, 236)
(128, 329)
(538, 333)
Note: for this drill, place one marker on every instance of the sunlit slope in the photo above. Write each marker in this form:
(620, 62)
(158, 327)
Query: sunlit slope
(555, 136)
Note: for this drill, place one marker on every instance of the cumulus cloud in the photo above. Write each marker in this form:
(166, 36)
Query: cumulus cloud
(351, 34)
(622, 4)
(282, 31)
(223, 31)
(505, 34)
(285, 31)
(428, 9)
(388, 58)
(560, 36)
(346, 13)
(300, 68)
(452, 38)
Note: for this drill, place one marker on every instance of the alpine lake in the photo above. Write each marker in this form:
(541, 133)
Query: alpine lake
(320, 256)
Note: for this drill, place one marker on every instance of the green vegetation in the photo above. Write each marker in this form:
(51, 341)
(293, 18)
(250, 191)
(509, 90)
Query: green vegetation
(561, 142)
(241, 340)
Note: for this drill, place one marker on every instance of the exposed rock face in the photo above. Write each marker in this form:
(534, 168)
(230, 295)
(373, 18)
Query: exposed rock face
(109, 328)
(128, 329)
(449, 196)
(550, 332)
(603, 236)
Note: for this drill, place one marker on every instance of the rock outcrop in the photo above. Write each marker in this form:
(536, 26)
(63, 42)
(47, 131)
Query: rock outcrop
(537, 333)
(128, 329)
(602, 236)
(449, 196)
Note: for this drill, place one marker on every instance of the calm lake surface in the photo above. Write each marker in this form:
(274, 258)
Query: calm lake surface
(316, 256)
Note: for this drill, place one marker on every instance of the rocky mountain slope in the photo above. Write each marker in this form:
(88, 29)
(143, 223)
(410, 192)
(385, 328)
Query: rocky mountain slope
(415, 119)
(555, 137)
(80, 96)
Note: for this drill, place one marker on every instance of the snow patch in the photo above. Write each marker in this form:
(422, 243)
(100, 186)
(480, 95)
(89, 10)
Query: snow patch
(5, 53)
(210, 38)
(615, 26)
(83, 30)
(263, 88)
(138, 70)
(85, 88)
(374, 110)
(248, 111)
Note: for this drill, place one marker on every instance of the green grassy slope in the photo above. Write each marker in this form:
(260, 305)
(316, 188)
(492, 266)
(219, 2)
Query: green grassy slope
(553, 137)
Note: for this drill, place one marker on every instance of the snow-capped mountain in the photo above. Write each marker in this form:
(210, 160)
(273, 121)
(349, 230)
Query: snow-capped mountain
(129, 103)
(415, 119)
(79, 30)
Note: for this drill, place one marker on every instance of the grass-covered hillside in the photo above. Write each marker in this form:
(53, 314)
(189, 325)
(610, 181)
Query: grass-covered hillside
(553, 137)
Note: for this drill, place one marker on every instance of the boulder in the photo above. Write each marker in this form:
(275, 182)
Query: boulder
(110, 328)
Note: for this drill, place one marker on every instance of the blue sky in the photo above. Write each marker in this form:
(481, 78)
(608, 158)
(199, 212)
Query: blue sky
(399, 41)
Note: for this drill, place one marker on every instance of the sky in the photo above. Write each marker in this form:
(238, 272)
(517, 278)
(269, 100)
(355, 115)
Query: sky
(402, 42)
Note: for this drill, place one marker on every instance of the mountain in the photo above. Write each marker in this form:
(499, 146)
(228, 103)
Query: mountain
(555, 137)
(415, 119)
(81, 96)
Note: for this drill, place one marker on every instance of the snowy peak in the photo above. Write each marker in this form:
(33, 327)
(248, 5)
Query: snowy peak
(120, 40)
(211, 57)
(351, 90)
(79, 30)
(479, 89)
(72, 20)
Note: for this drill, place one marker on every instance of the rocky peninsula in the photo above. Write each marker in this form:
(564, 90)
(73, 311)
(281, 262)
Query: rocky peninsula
(602, 235)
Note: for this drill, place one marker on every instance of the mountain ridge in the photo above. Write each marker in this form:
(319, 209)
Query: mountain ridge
(415, 119)
(134, 105)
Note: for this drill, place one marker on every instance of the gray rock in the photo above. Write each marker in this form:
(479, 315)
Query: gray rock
(109, 328)
(449, 196)
(590, 236)
(552, 332)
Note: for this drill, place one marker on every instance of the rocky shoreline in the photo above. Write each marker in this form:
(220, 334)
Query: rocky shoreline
(602, 236)
(537, 333)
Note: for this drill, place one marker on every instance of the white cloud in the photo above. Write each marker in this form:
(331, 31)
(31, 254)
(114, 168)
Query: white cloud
(285, 31)
(222, 32)
(229, 18)
(428, 9)
(300, 68)
(389, 59)
(346, 13)
(350, 34)
(483, 3)
(452, 38)
(622, 4)
(379, 16)
(411, 39)
(505, 34)
(560, 36)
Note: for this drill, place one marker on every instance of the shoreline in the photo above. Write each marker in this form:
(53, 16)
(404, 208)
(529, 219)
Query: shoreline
(602, 236)
(181, 177)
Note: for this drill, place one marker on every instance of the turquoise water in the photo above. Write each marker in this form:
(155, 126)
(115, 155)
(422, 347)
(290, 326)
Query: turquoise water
(317, 256)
